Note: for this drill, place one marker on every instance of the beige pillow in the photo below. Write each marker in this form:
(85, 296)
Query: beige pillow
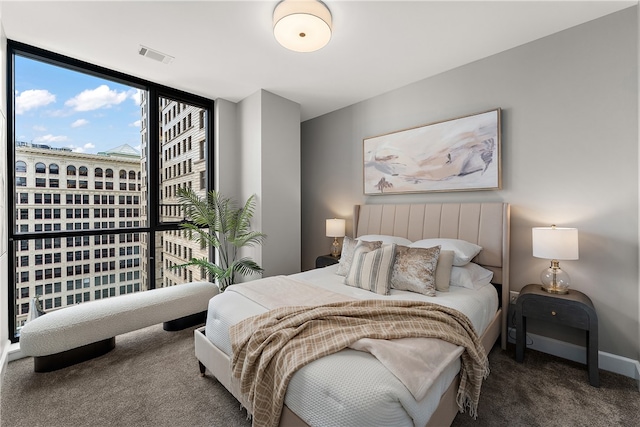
(414, 270)
(443, 270)
(348, 247)
(371, 269)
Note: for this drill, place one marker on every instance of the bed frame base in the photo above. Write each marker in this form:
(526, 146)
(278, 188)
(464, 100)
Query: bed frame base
(211, 357)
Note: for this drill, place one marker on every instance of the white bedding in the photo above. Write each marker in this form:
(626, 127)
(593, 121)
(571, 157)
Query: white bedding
(352, 387)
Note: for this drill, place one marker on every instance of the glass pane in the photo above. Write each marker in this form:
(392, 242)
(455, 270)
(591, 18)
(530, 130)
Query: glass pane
(183, 130)
(71, 270)
(70, 128)
(174, 248)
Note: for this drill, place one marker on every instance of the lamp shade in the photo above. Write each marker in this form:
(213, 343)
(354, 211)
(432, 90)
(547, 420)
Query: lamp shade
(555, 243)
(302, 25)
(336, 227)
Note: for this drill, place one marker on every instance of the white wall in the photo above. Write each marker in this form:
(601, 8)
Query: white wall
(4, 287)
(570, 157)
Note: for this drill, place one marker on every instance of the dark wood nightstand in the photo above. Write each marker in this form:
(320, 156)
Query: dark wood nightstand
(326, 260)
(574, 309)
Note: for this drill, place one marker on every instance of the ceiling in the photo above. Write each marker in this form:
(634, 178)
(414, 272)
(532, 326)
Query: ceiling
(226, 49)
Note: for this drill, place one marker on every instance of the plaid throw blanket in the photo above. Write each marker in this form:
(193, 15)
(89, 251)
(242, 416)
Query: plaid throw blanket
(269, 348)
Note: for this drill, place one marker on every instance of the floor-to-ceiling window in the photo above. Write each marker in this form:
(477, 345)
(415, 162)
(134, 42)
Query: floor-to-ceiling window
(96, 158)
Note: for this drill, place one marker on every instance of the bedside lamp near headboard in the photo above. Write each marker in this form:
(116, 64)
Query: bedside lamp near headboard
(555, 243)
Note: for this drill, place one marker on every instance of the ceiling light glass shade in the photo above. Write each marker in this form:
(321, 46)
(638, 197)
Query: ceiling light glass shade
(555, 243)
(302, 25)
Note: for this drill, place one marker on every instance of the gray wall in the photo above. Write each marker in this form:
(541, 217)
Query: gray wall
(267, 150)
(570, 157)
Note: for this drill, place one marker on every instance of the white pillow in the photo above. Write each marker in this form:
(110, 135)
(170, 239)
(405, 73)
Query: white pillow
(470, 276)
(463, 251)
(386, 240)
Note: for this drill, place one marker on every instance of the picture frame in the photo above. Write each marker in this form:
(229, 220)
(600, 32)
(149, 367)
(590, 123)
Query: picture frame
(461, 154)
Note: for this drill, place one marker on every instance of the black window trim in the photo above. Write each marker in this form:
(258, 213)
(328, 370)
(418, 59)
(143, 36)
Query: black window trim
(154, 92)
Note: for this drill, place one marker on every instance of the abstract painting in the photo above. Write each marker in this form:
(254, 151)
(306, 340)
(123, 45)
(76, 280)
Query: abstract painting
(461, 154)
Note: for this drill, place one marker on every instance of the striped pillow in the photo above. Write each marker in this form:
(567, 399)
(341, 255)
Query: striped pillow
(371, 269)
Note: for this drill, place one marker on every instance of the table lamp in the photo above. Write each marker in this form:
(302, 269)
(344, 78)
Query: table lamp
(335, 229)
(555, 243)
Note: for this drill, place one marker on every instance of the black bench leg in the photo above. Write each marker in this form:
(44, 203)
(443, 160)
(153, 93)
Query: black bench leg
(185, 322)
(202, 368)
(67, 358)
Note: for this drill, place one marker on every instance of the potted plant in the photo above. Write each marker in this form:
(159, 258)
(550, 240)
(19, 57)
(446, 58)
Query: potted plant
(215, 221)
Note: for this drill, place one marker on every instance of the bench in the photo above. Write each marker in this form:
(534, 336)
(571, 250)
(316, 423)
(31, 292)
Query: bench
(81, 332)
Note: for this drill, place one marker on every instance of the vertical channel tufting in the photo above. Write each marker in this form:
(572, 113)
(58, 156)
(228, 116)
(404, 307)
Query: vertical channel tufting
(416, 222)
(402, 218)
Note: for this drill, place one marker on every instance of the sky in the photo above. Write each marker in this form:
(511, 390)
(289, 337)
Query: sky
(64, 108)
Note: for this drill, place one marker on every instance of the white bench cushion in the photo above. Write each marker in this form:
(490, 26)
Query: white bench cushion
(86, 323)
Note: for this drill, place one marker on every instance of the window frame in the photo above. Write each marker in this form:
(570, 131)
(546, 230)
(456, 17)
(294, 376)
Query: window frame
(153, 193)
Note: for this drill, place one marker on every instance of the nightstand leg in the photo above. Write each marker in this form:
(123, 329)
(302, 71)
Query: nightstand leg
(592, 356)
(521, 333)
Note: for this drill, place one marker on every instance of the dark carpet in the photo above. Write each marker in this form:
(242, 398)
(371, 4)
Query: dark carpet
(151, 378)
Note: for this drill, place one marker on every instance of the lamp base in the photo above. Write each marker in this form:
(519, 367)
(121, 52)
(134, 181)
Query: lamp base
(335, 248)
(554, 279)
(558, 291)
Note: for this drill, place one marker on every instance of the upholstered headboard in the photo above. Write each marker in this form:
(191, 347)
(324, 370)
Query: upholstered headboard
(485, 224)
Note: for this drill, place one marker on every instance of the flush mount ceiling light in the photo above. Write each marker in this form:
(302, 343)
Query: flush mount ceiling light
(302, 25)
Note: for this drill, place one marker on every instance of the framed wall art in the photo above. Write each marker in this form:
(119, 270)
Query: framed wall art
(460, 154)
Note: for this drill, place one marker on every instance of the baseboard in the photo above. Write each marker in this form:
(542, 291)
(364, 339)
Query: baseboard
(607, 361)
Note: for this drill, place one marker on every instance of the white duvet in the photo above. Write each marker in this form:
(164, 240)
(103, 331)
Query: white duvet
(352, 387)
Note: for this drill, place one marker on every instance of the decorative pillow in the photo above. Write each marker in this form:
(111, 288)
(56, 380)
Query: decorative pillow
(443, 270)
(464, 251)
(371, 269)
(348, 247)
(471, 276)
(415, 270)
(386, 240)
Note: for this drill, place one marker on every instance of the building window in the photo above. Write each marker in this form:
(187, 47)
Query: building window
(41, 168)
(53, 169)
(71, 170)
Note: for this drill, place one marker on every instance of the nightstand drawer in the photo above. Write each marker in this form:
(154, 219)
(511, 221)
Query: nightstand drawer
(553, 310)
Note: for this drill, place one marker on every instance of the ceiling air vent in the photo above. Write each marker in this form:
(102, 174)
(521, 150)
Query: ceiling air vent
(155, 55)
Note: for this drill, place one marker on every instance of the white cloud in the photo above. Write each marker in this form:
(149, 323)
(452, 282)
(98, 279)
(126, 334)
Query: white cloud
(136, 96)
(33, 98)
(79, 122)
(50, 138)
(39, 128)
(83, 149)
(136, 124)
(93, 99)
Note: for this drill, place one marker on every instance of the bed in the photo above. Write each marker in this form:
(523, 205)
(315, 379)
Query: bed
(351, 387)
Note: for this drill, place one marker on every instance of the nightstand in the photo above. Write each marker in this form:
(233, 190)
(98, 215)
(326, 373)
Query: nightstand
(574, 309)
(326, 260)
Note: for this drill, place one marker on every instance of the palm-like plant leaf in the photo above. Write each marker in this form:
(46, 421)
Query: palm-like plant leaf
(215, 221)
